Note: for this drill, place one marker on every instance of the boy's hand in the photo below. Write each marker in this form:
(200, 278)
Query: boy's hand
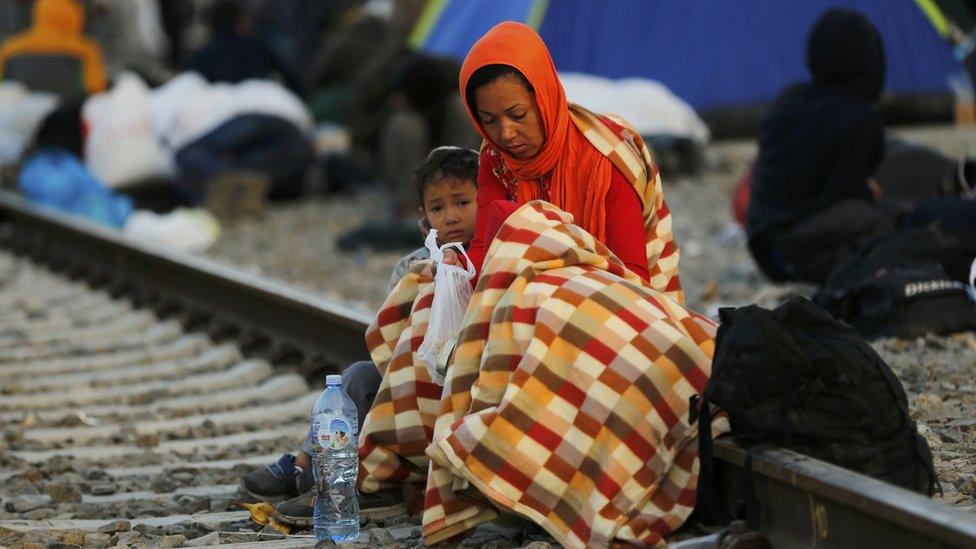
(450, 258)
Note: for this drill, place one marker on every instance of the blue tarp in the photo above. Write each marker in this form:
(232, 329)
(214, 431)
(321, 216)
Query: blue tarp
(711, 53)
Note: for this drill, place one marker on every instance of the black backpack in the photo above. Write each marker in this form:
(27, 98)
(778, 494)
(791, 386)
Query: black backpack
(907, 301)
(905, 284)
(797, 378)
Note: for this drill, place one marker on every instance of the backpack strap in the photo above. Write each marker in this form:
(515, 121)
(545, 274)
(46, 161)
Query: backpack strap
(710, 506)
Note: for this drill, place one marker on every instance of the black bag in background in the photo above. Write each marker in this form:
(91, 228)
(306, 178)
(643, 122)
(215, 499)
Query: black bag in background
(797, 378)
(929, 244)
(906, 301)
(905, 284)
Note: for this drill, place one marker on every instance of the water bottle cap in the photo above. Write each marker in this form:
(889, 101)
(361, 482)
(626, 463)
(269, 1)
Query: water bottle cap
(333, 379)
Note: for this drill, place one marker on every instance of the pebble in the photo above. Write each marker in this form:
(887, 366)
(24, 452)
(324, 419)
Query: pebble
(74, 537)
(40, 514)
(98, 541)
(176, 540)
(115, 526)
(63, 493)
(162, 485)
(212, 538)
(126, 538)
(17, 504)
(380, 537)
(103, 489)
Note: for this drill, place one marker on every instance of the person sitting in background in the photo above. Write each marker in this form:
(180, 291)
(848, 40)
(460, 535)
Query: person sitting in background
(815, 197)
(446, 184)
(812, 199)
(424, 111)
(234, 55)
(52, 55)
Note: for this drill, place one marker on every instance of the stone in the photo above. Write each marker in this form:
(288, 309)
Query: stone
(19, 484)
(162, 485)
(149, 530)
(103, 489)
(115, 526)
(213, 538)
(43, 537)
(176, 540)
(18, 504)
(380, 537)
(269, 533)
(40, 514)
(63, 493)
(96, 474)
(147, 440)
(126, 538)
(173, 529)
(62, 545)
(98, 540)
(74, 537)
(538, 545)
(928, 403)
(193, 504)
(404, 533)
(237, 537)
(221, 503)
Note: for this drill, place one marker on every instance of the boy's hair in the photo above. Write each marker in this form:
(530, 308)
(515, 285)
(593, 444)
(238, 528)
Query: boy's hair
(445, 162)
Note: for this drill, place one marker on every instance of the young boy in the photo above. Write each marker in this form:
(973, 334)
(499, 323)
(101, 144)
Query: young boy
(447, 188)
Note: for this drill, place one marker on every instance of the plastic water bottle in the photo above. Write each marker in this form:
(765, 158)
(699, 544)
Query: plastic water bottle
(335, 440)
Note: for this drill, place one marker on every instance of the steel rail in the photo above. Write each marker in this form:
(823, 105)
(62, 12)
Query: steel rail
(316, 334)
(804, 502)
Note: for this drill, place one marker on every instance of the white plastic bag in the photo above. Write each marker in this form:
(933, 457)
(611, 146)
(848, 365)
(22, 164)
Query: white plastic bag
(452, 292)
(190, 230)
(121, 147)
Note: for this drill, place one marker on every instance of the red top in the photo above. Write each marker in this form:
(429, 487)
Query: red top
(625, 221)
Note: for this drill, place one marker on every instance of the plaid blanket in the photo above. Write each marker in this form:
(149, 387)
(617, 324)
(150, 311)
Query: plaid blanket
(399, 426)
(567, 397)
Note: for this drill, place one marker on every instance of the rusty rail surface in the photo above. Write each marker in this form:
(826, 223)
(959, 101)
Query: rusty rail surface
(804, 502)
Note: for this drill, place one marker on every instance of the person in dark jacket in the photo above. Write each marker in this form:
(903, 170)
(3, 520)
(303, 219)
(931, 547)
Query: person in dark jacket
(233, 54)
(812, 197)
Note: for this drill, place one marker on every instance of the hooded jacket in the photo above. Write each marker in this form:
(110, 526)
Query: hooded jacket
(821, 140)
(53, 55)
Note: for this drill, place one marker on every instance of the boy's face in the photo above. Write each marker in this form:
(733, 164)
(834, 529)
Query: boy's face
(451, 207)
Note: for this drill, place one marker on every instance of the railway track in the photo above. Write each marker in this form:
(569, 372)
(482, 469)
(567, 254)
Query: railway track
(136, 385)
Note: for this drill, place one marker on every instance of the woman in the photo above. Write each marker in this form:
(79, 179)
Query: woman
(566, 398)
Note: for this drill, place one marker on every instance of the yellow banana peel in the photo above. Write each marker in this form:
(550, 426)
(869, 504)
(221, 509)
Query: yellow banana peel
(261, 512)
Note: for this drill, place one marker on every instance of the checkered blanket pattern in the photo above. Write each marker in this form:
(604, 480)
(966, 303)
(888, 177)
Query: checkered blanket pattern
(622, 144)
(567, 397)
(398, 427)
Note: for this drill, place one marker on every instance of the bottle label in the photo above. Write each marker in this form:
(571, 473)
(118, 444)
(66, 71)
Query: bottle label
(331, 432)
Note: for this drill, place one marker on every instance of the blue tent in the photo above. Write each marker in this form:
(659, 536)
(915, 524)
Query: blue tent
(712, 53)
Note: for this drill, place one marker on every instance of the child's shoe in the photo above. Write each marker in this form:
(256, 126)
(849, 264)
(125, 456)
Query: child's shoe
(275, 482)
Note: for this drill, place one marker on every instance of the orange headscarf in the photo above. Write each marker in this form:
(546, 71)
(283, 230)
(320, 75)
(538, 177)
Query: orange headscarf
(580, 173)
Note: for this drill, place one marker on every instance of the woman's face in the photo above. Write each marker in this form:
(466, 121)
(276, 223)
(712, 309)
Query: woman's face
(510, 116)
